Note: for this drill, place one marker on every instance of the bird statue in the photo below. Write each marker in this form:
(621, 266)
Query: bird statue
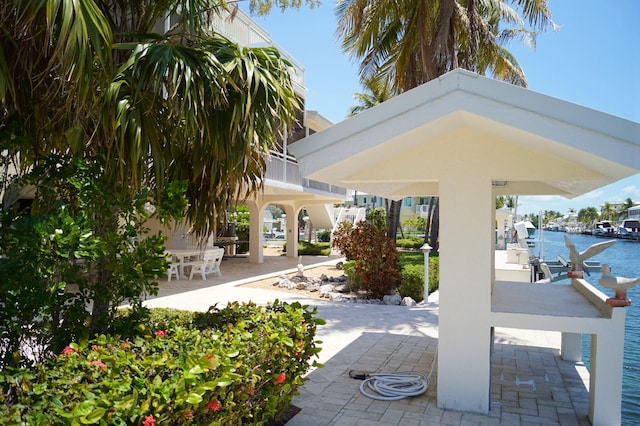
(300, 268)
(618, 284)
(548, 275)
(578, 258)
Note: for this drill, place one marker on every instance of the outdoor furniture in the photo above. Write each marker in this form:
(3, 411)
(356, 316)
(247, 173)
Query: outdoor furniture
(173, 270)
(209, 264)
(186, 257)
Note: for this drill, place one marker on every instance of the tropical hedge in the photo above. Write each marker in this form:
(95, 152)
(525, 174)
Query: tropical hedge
(237, 365)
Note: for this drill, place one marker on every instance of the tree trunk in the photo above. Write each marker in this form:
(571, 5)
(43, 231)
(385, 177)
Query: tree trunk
(434, 228)
(101, 293)
(393, 218)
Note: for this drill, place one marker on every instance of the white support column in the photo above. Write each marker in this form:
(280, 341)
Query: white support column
(605, 373)
(256, 234)
(291, 233)
(571, 349)
(466, 270)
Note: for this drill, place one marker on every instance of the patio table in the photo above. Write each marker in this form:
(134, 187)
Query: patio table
(184, 257)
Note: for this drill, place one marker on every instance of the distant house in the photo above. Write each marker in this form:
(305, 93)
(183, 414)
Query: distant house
(412, 207)
(634, 212)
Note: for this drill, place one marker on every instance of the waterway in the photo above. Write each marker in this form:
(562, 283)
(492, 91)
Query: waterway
(624, 259)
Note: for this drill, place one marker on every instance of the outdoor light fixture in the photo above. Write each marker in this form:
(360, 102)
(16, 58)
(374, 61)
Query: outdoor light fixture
(499, 183)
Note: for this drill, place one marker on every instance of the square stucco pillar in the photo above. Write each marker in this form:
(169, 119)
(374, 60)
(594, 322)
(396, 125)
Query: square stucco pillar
(466, 269)
(605, 373)
(256, 234)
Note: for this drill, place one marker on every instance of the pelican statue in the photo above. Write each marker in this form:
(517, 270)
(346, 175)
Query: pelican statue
(548, 275)
(300, 272)
(578, 258)
(618, 284)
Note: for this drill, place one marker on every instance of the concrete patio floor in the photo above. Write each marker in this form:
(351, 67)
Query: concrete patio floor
(531, 384)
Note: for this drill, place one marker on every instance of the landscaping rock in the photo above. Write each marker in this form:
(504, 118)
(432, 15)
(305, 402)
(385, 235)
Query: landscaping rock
(408, 301)
(394, 299)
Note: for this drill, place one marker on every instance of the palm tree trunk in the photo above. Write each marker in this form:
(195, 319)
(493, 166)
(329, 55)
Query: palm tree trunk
(432, 228)
(393, 218)
(434, 231)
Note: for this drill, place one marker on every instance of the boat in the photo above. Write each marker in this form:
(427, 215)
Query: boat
(629, 229)
(604, 229)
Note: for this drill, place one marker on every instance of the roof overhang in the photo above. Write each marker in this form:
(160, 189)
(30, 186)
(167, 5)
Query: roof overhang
(531, 144)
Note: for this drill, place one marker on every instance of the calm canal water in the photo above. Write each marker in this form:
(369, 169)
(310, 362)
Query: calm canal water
(624, 259)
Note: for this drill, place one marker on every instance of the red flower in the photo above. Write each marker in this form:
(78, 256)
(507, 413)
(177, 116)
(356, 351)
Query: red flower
(280, 379)
(149, 421)
(99, 364)
(213, 405)
(96, 347)
(160, 333)
(69, 350)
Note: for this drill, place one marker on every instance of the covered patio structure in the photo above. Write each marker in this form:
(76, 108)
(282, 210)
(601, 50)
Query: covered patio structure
(467, 139)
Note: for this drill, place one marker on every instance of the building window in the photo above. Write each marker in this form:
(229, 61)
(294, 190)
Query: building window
(407, 202)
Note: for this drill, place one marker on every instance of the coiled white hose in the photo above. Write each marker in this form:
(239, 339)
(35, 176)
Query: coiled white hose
(394, 386)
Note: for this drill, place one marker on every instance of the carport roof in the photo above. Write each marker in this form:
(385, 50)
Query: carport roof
(463, 123)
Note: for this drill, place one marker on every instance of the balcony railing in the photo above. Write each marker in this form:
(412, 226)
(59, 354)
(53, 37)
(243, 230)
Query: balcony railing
(286, 170)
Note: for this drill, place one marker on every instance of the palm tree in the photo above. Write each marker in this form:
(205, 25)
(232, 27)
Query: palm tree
(624, 211)
(377, 90)
(588, 215)
(607, 211)
(92, 80)
(413, 42)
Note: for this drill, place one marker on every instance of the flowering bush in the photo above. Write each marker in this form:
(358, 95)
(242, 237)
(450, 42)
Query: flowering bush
(242, 364)
(376, 265)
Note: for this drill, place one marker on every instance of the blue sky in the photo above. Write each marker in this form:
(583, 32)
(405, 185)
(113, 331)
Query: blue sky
(593, 59)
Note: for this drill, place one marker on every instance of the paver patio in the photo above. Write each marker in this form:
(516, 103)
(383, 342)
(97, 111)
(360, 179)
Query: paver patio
(531, 384)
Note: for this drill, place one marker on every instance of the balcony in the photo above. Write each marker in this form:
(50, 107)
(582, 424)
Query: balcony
(283, 169)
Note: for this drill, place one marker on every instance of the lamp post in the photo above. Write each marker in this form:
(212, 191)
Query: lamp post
(426, 249)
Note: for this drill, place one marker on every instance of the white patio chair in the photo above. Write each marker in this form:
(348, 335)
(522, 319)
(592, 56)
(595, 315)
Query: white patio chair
(174, 267)
(209, 264)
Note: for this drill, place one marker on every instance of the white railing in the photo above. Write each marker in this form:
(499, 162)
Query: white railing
(281, 168)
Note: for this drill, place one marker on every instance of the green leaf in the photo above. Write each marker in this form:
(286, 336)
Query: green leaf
(83, 409)
(223, 381)
(63, 413)
(194, 398)
(94, 416)
(287, 341)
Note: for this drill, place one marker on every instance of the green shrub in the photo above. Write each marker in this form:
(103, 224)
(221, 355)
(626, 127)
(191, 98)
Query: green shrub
(237, 365)
(434, 273)
(412, 275)
(242, 232)
(324, 236)
(412, 282)
(349, 268)
(375, 255)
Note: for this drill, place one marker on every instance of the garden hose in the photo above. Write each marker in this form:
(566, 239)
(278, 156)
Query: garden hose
(393, 386)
